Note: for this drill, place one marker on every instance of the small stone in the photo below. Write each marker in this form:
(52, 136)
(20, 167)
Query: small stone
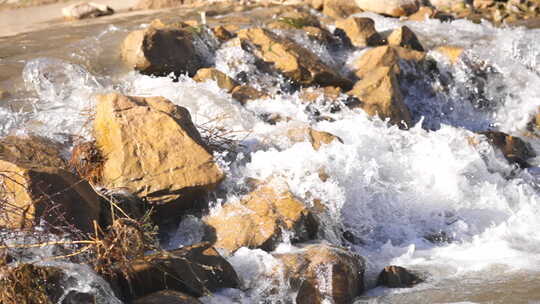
(316, 138)
(397, 277)
(222, 34)
(404, 37)
(223, 81)
(245, 93)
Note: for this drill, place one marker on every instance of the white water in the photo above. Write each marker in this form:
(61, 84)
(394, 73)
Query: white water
(390, 188)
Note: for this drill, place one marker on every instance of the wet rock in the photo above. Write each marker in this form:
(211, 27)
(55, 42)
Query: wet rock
(453, 53)
(404, 37)
(322, 273)
(135, 135)
(195, 270)
(313, 94)
(394, 8)
(339, 9)
(514, 149)
(360, 31)
(385, 56)
(321, 35)
(316, 138)
(245, 93)
(291, 59)
(222, 34)
(84, 10)
(379, 94)
(397, 277)
(167, 297)
(35, 186)
(260, 219)
(161, 50)
(223, 81)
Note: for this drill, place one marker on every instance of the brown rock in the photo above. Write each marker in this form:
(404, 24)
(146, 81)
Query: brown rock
(394, 8)
(361, 31)
(483, 4)
(84, 10)
(339, 9)
(223, 81)
(514, 149)
(404, 37)
(313, 94)
(316, 138)
(423, 13)
(380, 94)
(385, 56)
(320, 34)
(322, 273)
(245, 93)
(161, 50)
(195, 270)
(451, 52)
(222, 34)
(397, 277)
(32, 151)
(259, 219)
(167, 297)
(135, 135)
(291, 59)
(317, 4)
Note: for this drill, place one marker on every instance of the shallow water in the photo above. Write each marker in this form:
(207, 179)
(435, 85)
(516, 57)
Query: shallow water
(389, 188)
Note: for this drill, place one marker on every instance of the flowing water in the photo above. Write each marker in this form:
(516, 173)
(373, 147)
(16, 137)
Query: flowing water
(389, 189)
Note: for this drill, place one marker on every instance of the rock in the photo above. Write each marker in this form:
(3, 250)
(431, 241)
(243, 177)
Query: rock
(167, 297)
(321, 35)
(397, 277)
(317, 4)
(245, 93)
(483, 4)
(135, 135)
(161, 50)
(324, 274)
(291, 59)
(514, 149)
(380, 94)
(404, 37)
(294, 19)
(36, 186)
(361, 31)
(451, 52)
(313, 94)
(339, 9)
(423, 13)
(195, 270)
(394, 8)
(223, 81)
(260, 219)
(84, 10)
(222, 34)
(385, 56)
(159, 4)
(316, 138)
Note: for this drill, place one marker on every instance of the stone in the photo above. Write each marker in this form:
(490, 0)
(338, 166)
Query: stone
(406, 38)
(260, 219)
(84, 10)
(195, 270)
(483, 4)
(245, 93)
(167, 297)
(360, 31)
(316, 138)
(323, 273)
(32, 150)
(379, 94)
(321, 35)
(394, 8)
(385, 56)
(397, 277)
(453, 53)
(291, 59)
(222, 34)
(161, 50)
(424, 13)
(339, 9)
(514, 149)
(135, 135)
(222, 80)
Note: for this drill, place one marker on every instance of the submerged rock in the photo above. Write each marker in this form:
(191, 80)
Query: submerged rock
(514, 149)
(260, 219)
(397, 277)
(223, 81)
(394, 8)
(84, 10)
(324, 274)
(360, 31)
(152, 148)
(167, 297)
(404, 37)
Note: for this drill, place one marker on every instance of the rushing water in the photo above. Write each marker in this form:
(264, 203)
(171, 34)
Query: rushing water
(388, 188)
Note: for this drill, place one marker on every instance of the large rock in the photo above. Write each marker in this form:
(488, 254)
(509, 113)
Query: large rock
(395, 8)
(291, 59)
(514, 149)
(85, 10)
(385, 56)
(380, 94)
(161, 50)
(222, 80)
(195, 270)
(339, 9)
(167, 297)
(260, 219)
(404, 37)
(152, 148)
(35, 187)
(397, 277)
(324, 274)
(360, 31)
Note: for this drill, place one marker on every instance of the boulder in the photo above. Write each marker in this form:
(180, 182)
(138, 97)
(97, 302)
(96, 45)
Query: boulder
(339, 9)
(135, 136)
(195, 270)
(404, 37)
(223, 81)
(245, 93)
(161, 50)
(323, 273)
(316, 138)
(291, 59)
(453, 53)
(260, 219)
(394, 8)
(397, 277)
(514, 149)
(167, 297)
(36, 186)
(84, 10)
(360, 31)
(385, 56)
(379, 94)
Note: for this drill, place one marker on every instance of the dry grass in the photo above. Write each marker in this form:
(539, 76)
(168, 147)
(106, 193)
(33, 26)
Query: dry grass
(220, 138)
